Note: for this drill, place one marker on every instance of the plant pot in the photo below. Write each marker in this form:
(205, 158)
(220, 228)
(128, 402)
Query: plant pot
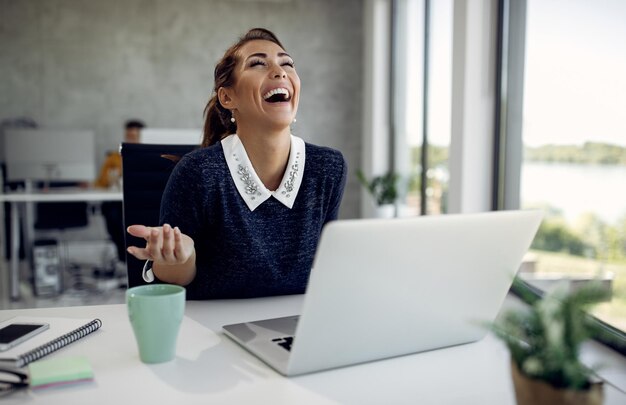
(529, 391)
(385, 211)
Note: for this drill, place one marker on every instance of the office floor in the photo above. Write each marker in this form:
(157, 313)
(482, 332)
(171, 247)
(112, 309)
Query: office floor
(83, 249)
(98, 293)
(81, 288)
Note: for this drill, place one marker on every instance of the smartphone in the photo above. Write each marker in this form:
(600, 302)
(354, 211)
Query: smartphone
(15, 333)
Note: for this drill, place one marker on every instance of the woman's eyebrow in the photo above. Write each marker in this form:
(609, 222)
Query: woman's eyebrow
(264, 55)
(257, 55)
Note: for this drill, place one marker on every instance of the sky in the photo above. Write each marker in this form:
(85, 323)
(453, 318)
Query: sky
(575, 84)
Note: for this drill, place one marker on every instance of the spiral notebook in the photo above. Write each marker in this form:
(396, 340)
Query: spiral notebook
(61, 333)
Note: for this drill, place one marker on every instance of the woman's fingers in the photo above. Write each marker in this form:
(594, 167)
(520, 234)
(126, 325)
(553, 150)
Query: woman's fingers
(168, 244)
(140, 231)
(179, 248)
(139, 253)
(155, 243)
(163, 244)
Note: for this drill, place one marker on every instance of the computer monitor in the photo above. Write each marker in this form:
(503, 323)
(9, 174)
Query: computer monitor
(49, 155)
(170, 136)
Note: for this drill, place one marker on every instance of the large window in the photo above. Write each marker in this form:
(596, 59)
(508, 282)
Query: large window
(422, 72)
(574, 153)
(562, 135)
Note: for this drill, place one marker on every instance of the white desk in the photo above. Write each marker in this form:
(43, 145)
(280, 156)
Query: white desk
(19, 199)
(209, 368)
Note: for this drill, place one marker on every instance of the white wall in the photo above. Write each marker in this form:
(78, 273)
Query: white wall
(473, 105)
(375, 136)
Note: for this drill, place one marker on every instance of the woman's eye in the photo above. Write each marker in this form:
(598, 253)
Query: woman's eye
(288, 63)
(257, 63)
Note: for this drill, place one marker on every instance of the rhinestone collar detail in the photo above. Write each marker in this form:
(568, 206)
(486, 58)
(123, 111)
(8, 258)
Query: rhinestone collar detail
(248, 183)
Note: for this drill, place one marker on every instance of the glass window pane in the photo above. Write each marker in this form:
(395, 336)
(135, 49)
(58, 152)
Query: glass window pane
(439, 106)
(574, 136)
(408, 101)
(409, 110)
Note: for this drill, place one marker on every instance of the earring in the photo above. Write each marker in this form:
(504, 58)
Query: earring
(232, 119)
(294, 120)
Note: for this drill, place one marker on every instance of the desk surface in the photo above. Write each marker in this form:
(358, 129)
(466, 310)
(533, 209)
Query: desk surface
(210, 368)
(63, 194)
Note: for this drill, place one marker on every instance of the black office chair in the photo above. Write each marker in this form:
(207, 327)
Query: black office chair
(145, 171)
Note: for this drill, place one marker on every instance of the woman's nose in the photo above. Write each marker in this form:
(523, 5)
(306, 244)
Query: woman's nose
(278, 73)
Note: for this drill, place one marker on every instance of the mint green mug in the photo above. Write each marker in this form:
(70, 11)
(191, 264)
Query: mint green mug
(155, 312)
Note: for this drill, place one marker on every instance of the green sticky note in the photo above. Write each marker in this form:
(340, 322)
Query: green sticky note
(59, 371)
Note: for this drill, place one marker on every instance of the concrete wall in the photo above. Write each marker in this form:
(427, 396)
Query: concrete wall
(94, 64)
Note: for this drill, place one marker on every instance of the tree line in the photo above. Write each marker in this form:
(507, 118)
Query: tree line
(596, 153)
(588, 153)
(589, 236)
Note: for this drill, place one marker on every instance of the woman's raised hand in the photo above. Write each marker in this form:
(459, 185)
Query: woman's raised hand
(164, 244)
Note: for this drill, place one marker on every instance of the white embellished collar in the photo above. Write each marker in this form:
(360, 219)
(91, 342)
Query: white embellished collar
(248, 183)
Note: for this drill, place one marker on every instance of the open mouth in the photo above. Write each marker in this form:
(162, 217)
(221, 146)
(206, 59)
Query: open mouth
(278, 95)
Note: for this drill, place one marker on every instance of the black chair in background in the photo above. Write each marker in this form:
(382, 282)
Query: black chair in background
(146, 169)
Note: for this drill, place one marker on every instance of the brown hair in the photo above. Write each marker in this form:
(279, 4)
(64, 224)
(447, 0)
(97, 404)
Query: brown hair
(217, 123)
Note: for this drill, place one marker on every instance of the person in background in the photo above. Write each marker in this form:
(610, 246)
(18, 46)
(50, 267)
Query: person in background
(111, 170)
(242, 215)
(110, 178)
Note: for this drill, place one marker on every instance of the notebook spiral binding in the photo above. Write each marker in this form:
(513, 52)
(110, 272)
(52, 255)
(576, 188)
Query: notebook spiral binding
(58, 343)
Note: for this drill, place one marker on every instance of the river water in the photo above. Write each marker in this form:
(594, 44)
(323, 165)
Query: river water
(576, 189)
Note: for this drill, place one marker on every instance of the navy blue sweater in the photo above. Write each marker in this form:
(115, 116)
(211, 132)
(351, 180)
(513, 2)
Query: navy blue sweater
(242, 253)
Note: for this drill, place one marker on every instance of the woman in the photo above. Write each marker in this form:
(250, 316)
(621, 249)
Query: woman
(242, 216)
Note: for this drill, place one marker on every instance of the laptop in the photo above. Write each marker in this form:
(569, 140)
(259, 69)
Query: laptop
(384, 288)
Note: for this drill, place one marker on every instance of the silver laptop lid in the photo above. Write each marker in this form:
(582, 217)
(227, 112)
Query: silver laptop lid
(383, 288)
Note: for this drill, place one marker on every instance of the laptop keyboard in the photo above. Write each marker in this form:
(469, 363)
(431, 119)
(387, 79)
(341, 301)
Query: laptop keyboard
(284, 342)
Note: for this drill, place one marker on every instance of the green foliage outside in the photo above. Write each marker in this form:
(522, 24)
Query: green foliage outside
(437, 155)
(589, 153)
(588, 237)
(555, 236)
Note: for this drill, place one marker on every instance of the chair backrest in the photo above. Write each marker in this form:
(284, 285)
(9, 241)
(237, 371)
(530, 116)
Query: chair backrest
(145, 171)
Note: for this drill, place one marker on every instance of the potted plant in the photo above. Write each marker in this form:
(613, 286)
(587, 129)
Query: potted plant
(384, 190)
(544, 343)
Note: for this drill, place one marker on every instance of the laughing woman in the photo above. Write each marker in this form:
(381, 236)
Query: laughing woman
(242, 216)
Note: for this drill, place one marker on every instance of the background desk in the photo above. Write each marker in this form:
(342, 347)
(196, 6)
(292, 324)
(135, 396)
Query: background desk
(211, 369)
(19, 199)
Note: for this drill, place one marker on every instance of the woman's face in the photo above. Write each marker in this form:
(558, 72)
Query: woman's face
(267, 87)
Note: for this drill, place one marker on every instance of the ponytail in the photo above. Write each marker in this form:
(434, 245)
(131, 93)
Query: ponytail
(217, 123)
